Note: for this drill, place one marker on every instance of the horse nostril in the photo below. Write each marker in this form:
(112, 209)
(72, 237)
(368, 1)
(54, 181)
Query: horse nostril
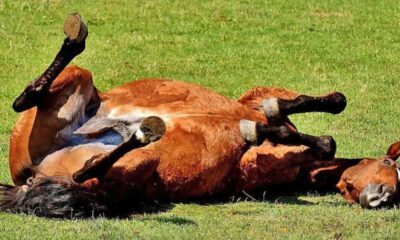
(373, 195)
(383, 189)
(388, 189)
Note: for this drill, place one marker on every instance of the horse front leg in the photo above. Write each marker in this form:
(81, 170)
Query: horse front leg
(276, 108)
(278, 103)
(323, 147)
(151, 129)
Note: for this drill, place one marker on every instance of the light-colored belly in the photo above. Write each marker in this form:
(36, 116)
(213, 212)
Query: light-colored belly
(68, 160)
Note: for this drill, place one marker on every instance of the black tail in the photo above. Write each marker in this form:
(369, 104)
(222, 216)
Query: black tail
(53, 197)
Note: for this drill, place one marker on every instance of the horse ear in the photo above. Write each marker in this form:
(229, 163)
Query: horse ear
(394, 150)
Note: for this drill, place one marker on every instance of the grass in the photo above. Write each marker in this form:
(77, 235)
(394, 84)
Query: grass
(309, 46)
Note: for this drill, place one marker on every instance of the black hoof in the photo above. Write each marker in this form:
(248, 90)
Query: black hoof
(75, 28)
(151, 129)
(325, 149)
(336, 102)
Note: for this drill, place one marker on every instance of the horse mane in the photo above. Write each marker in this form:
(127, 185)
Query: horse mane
(54, 197)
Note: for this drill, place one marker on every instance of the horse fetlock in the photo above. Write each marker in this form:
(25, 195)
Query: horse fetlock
(283, 132)
(88, 169)
(248, 130)
(257, 132)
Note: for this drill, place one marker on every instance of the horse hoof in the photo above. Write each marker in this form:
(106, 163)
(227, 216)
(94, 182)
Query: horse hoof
(337, 102)
(75, 28)
(326, 148)
(151, 129)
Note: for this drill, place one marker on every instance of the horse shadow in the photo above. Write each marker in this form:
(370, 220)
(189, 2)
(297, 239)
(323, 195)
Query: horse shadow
(282, 196)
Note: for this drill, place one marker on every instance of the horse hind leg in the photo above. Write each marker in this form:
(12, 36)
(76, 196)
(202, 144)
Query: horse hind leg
(324, 147)
(76, 32)
(63, 96)
(275, 108)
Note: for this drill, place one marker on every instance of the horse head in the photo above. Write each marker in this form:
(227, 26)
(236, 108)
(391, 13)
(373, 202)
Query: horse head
(372, 182)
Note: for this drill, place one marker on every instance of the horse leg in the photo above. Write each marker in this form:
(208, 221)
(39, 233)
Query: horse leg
(40, 131)
(277, 103)
(62, 96)
(73, 45)
(151, 129)
(323, 147)
(128, 174)
(333, 103)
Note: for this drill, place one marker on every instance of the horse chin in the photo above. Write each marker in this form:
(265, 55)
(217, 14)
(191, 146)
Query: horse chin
(376, 195)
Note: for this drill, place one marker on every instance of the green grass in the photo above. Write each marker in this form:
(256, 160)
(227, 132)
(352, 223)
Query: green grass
(309, 46)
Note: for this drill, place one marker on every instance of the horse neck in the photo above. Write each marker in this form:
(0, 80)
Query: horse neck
(326, 174)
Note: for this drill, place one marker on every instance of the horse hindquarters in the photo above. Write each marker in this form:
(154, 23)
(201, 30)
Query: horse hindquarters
(40, 131)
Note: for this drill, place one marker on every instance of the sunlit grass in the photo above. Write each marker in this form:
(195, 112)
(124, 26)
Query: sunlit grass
(229, 46)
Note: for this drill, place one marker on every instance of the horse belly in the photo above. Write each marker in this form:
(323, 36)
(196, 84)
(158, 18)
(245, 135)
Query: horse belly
(68, 160)
(196, 157)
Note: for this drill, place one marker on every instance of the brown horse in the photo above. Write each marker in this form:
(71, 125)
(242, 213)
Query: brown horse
(75, 150)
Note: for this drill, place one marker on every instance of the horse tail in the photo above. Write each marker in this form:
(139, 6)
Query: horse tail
(53, 197)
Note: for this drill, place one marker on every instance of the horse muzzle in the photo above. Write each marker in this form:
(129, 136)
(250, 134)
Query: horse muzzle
(375, 195)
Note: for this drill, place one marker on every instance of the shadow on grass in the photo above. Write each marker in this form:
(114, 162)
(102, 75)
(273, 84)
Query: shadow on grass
(179, 221)
(292, 199)
(138, 209)
(290, 196)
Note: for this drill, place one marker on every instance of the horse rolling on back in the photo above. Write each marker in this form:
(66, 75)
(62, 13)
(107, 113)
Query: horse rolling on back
(76, 151)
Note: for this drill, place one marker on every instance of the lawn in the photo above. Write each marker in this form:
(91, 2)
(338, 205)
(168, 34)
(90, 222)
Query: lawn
(228, 46)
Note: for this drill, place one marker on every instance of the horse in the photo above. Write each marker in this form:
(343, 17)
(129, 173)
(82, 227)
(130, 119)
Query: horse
(76, 151)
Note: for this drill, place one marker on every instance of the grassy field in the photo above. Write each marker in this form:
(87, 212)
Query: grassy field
(309, 46)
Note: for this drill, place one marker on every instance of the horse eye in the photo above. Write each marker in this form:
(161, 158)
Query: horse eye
(387, 162)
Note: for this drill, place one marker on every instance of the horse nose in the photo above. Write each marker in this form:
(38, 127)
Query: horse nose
(374, 195)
